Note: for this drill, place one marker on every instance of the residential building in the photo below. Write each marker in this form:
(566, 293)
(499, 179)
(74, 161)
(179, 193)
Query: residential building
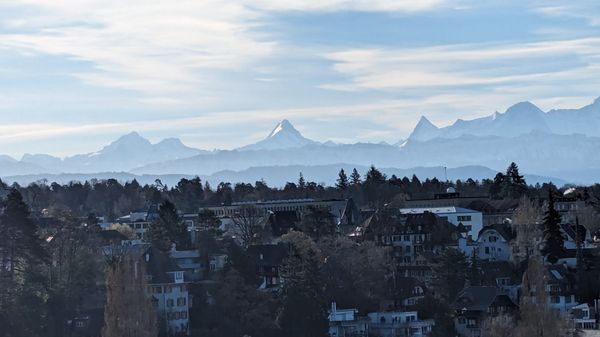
(493, 242)
(584, 316)
(344, 211)
(347, 323)
(398, 324)
(474, 304)
(470, 220)
(169, 288)
(268, 260)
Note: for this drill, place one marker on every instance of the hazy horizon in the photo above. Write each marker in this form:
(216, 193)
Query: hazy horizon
(218, 74)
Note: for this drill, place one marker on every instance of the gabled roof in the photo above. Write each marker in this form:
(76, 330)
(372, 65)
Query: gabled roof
(480, 298)
(159, 266)
(502, 229)
(492, 270)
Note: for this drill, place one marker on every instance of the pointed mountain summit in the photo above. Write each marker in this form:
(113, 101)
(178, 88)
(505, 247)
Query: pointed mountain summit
(424, 130)
(131, 142)
(283, 136)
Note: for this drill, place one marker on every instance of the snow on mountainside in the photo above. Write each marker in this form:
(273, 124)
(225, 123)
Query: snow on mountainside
(424, 130)
(283, 136)
(125, 153)
(11, 166)
(521, 118)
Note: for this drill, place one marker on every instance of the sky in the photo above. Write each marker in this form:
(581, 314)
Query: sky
(76, 74)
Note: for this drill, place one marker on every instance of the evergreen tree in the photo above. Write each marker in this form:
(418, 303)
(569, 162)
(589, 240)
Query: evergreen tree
(128, 311)
(514, 183)
(450, 273)
(552, 236)
(19, 240)
(168, 229)
(304, 309)
(355, 178)
(474, 275)
(301, 182)
(342, 181)
(318, 222)
(497, 185)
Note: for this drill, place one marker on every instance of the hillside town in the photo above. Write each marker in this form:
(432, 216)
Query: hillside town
(372, 256)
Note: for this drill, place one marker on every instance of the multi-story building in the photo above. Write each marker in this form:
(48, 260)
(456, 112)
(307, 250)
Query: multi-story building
(347, 323)
(470, 220)
(169, 288)
(493, 243)
(398, 324)
(344, 211)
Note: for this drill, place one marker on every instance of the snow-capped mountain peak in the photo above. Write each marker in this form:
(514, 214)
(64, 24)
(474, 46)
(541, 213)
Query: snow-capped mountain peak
(283, 136)
(283, 127)
(524, 108)
(424, 130)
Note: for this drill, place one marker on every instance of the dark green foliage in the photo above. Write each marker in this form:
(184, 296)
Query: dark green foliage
(438, 310)
(553, 240)
(168, 229)
(355, 178)
(450, 273)
(342, 180)
(474, 272)
(304, 309)
(318, 222)
(237, 309)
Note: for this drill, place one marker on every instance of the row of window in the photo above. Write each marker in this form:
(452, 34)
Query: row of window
(181, 301)
(165, 289)
(462, 218)
(173, 316)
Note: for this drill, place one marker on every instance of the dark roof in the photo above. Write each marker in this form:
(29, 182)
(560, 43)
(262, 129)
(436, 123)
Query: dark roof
(503, 229)
(492, 270)
(268, 255)
(480, 298)
(571, 231)
(159, 265)
(494, 206)
(282, 221)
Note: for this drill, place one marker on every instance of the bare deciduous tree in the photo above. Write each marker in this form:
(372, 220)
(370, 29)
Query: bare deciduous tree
(537, 317)
(525, 224)
(128, 311)
(249, 224)
(499, 326)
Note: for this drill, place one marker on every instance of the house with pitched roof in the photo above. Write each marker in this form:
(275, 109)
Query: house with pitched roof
(474, 304)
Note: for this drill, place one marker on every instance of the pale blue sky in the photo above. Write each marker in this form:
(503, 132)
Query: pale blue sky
(76, 74)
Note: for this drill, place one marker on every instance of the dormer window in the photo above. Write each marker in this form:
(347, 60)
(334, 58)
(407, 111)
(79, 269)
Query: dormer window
(261, 256)
(178, 277)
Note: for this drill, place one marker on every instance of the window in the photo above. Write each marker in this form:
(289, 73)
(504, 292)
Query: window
(158, 290)
(169, 303)
(487, 250)
(407, 249)
(184, 315)
(461, 320)
(168, 289)
(493, 238)
(568, 299)
(407, 238)
(79, 324)
(462, 218)
(554, 299)
(181, 301)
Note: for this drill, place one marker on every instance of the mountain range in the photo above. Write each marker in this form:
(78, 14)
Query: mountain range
(558, 145)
